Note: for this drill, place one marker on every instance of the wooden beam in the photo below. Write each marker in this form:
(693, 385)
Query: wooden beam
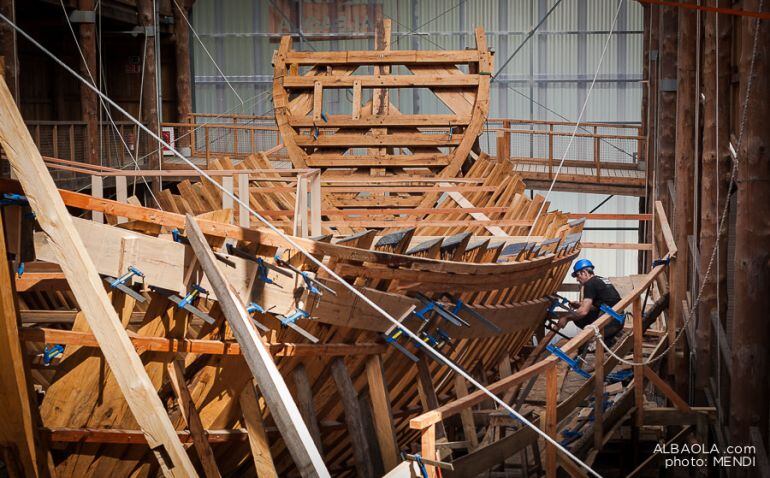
(382, 81)
(305, 403)
(260, 447)
(190, 415)
(88, 288)
(279, 401)
(382, 413)
(393, 57)
(353, 418)
(17, 408)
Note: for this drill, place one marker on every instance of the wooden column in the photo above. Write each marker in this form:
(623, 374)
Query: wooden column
(183, 71)
(599, 396)
(89, 103)
(149, 91)
(638, 357)
(18, 412)
(260, 446)
(353, 419)
(8, 49)
(550, 420)
(716, 83)
(664, 172)
(749, 391)
(304, 395)
(683, 179)
(382, 414)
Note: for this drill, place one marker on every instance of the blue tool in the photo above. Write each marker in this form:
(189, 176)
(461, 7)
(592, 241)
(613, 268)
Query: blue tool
(423, 469)
(323, 117)
(289, 321)
(313, 285)
(20, 269)
(196, 290)
(252, 308)
(392, 339)
(619, 376)
(460, 305)
(661, 262)
(612, 313)
(51, 352)
(315, 132)
(573, 364)
(263, 267)
(433, 306)
(178, 237)
(120, 283)
(10, 199)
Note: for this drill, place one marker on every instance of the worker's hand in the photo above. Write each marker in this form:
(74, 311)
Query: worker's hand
(563, 322)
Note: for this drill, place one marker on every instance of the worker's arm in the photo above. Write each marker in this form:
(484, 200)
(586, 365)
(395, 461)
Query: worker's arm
(581, 311)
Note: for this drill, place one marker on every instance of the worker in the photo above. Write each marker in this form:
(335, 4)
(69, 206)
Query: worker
(597, 291)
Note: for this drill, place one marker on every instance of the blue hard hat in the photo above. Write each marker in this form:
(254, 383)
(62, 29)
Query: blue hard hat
(580, 265)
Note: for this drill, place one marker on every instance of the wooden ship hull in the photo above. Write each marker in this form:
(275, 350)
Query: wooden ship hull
(475, 288)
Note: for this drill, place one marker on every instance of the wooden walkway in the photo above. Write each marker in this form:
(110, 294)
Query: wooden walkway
(609, 179)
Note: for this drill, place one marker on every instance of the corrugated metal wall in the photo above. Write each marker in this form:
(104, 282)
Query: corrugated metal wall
(547, 79)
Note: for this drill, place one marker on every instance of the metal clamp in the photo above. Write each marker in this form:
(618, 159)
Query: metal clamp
(51, 352)
(430, 305)
(612, 313)
(313, 285)
(196, 290)
(460, 305)
(573, 364)
(120, 283)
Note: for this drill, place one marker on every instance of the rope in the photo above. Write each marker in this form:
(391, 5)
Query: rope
(104, 106)
(580, 118)
(722, 221)
(294, 245)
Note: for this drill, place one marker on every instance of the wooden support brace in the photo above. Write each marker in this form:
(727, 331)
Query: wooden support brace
(243, 195)
(305, 403)
(353, 418)
(279, 401)
(382, 413)
(638, 357)
(260, 447)
(190, 415)
(97, 191)
(551, 418)
(669, 392)
(318, 100)
(88, 288)
(599, 395)
(121, 193)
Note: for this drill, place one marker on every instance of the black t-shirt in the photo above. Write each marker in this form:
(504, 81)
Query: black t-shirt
(601, 291)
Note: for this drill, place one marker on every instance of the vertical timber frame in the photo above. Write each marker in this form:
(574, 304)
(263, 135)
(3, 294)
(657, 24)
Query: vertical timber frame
(466, 95)
(183, 70)
(89, 104)
(150, 89)
(750, 336)
(79, 270)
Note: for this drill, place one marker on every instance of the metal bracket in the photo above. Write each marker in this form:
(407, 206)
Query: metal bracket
(611, 312)
(83, 16)
(289, 321)
(120, 283)
(184, 303)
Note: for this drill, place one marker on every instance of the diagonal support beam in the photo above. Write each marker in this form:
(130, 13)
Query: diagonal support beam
(280, 402)
(87, 286)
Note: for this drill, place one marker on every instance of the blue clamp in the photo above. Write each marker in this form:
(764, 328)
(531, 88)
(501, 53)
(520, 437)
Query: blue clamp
(661, 262)
(10, 199)
(290, 319)
(460, 305)
(612, 313)
(421, 465)
(433, 306)
(262, 272)
(558, 301)
(51, 352)
(196, 289)
(573, 364)
(451, 132)
(20, 269)
(324, 117)
(254, 307)
(310, 287)
(315, 132)
(132, 271)
(619, 376)
(176, 235)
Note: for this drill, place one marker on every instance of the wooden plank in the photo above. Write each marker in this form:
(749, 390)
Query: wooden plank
(121, 193)
(466, 415)
(318, 94)
(428, 447)
(394, 140)
(190, 415)
(244, 196)
(666, 389)
(551, 418)
(382, 413)
(97, 191)
(305, 403)
(369, 121)
(279, 401)
(356, 114)
(599, 395)
(260, 447)
(87, 286)
(638, 358)
(394, 57)
(227, 200)
(381, 81)
(17, 408)
(353, 418)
